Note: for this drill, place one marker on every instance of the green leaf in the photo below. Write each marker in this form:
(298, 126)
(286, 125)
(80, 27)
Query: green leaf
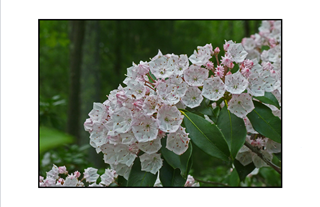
(206, 136)
(51, 138)
(177, 161)
(138, 178)
(234, 179)
(233, 129)
(243, 171)
(278, 155)
(122, 181)
(264, 122)
(271, 176)
(171, 177)
(268, 98)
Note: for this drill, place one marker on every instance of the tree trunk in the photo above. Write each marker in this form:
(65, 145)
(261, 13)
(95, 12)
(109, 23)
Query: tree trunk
(76, 40)
(246, 28)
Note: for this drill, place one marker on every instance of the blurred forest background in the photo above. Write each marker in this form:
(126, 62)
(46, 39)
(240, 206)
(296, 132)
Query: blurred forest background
(82, 61)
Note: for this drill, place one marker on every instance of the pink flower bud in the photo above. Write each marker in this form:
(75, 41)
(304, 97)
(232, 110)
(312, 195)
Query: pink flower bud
(216, 51)
(229, 73)
(209, 65)
(77, 174)
(62, 170)
(230, 65)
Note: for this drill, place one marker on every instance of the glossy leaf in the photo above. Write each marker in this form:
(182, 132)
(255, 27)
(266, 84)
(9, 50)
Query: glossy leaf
(269, 98)
(264, 122)
(138, 178)
(171, 177)
(234, 179)
(206, 136)
(243, 171)
(233, 129)
(177, 161)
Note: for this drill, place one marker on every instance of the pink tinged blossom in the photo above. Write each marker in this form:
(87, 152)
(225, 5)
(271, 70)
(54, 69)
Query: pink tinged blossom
(41, 179)
(236, 83)
(162, 67)
(54, 172)
(151, 162)
(122, 170)
(202, 56)
(60, 180)
(98, 137)
(266, 66)
(182, 64)
(135, 89)
(245, 72)
(99, 112)
(190, 182)
(227, 45)
(169, 118)
(145, 128)
(49, 181)
(274, 54)
(150, 147)
(219, 74)
(62, 170)
(77, 174)
(88, 125)
(228, 73)
(161, 134)
(128, 137)
(91, 175)
(108, 177)
(120, 153)
(193, 97)
(213, 88)
(258, 142)
(120, 121)
(241, 105)
(271, 82)
(151, 104)
(248, 44)
(237, 53)
(195, 75)
(71, 181)
(172, 90)
(226, 60)
(178, 141)
(248, 63)
(209, 65)
(220, 68)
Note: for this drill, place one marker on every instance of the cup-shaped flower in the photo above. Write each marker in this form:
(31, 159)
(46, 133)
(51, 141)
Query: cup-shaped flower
(213, 88)
(241, 105)
(195, 75)
(151, 162)
(193, 97)
(236, 83)
(178, 141)
(169, 118)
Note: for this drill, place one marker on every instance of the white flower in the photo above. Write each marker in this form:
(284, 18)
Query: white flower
(237, 53)
(213, 88)
(241, 105)
(128, 137)
(122, 170)
(151, 104)
(195, 75)
(108, 177)
(178, 141)
(135, 89)
(150, 147)
(162, 67)
(151, 162)
(71, 181)
(169, 118)
(202, 56)
(91, 175)
(193, 97)
(121, 121)
(120, 153)
(145, 128)
(236, 83)
(54, 172)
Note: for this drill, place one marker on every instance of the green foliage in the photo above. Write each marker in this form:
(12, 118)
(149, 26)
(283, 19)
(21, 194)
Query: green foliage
(206, 136)
(243, 171)
(51, 138)
(171, 177)
(264, 122)
(233, 129)
(138, 178)
(71, 156)
(181, 162)
(269, 98)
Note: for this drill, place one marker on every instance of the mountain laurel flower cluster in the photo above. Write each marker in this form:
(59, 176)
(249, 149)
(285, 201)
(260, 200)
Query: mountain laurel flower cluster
(55, 178)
